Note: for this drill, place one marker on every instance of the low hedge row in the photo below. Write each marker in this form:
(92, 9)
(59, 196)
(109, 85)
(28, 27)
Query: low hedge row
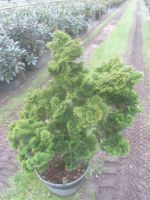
(25, 32)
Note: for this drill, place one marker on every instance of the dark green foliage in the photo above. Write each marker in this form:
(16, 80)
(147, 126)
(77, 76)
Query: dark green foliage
(147, 2)
(32, 28)
(10, 59)
(31, 35)
(116, 3)
(77, 112)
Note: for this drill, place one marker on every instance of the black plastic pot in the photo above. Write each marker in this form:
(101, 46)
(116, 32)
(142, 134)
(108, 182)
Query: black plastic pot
(65, 189)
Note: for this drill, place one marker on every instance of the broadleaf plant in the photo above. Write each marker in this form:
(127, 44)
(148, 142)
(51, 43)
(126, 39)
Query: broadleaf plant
(33, 28)
(10, 59)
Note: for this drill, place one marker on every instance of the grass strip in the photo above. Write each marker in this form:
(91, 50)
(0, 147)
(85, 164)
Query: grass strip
(104, 23)
(116, 43)
(28, 187)
(16, 101)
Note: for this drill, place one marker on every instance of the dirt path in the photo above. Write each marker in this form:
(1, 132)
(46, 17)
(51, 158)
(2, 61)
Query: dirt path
(8, 163)
(129, 178)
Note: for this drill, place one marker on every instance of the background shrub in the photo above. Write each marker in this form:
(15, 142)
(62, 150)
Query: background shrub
(33, 28)
(31, 35)
(10, 59)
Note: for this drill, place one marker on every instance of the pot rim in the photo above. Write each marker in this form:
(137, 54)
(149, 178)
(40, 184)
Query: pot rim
(63, 184)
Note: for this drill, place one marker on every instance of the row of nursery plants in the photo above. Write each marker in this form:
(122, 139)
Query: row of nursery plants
(24, 32)
(115, 3)
(77, 114)
(147, 2)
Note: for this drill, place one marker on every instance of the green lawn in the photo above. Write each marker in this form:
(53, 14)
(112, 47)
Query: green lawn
(117, 42)
(99, 28)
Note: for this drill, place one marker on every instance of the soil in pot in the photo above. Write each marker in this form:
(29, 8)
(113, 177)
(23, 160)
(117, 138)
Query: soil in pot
(58, 174)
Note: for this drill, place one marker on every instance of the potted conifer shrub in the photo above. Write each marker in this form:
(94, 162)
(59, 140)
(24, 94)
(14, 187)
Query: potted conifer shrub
(63, 124)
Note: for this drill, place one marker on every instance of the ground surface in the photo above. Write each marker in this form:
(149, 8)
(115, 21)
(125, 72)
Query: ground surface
(129, 178)
(122, 178)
